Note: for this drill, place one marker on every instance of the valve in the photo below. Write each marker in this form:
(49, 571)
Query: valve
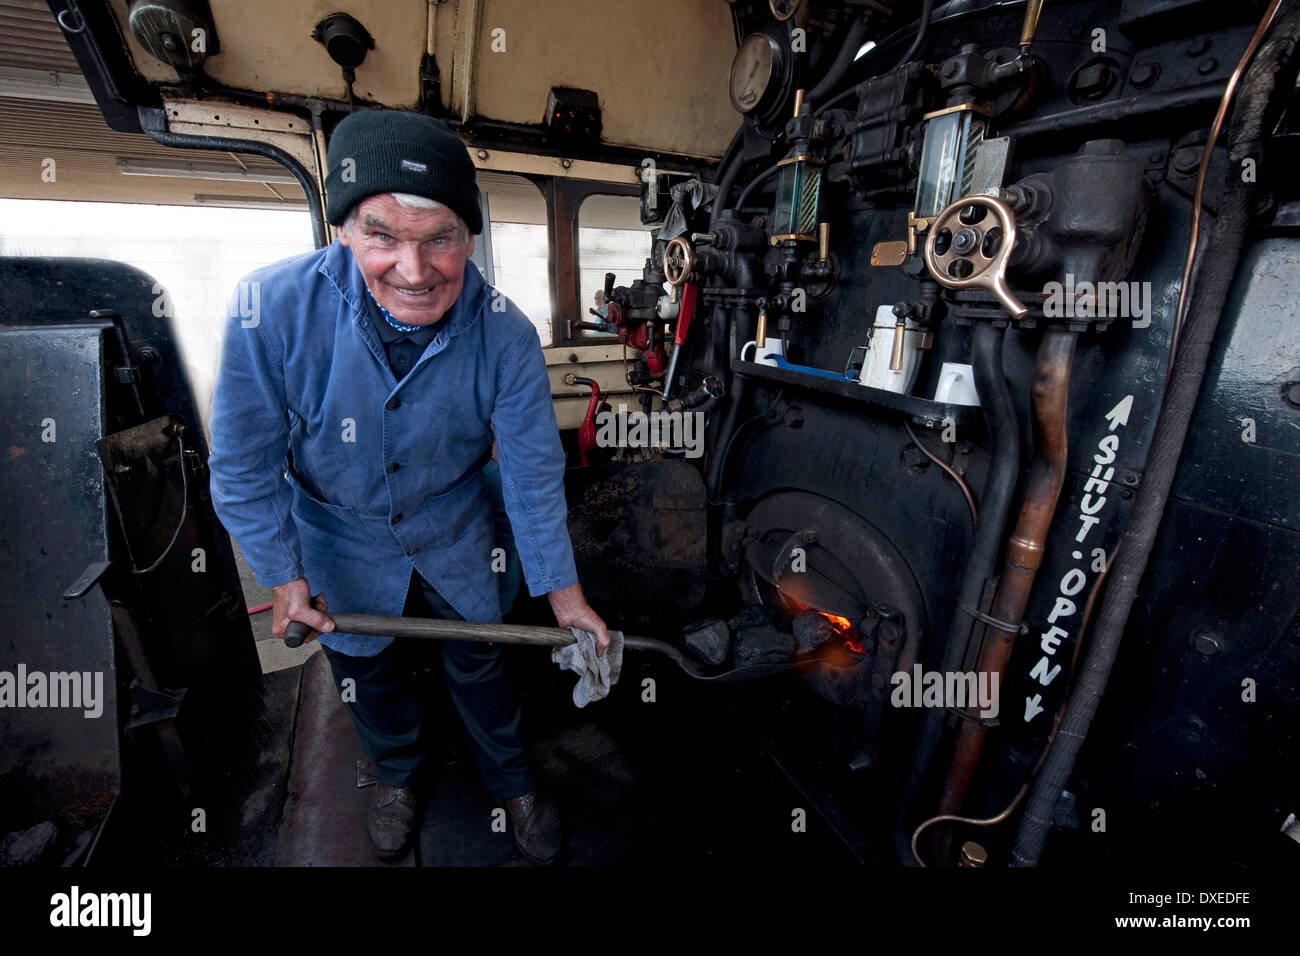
(678, 262)
(969, 245)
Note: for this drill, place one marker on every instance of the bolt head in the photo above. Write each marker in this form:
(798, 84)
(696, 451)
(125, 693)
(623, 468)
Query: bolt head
(1144, 74)
(1092, 81)
(965, 241)
(1207, 644)
(972, 854)
(1187, 158)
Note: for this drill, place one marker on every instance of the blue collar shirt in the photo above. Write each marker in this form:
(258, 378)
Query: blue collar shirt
(326, 465)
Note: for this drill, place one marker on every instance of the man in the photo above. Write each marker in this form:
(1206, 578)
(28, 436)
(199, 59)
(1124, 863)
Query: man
(353, 428)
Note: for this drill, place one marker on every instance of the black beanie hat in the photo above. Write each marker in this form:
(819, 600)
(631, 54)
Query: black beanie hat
(395, 152)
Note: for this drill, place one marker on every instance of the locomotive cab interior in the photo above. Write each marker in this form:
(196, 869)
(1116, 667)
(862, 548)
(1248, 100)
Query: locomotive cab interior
(935, 366)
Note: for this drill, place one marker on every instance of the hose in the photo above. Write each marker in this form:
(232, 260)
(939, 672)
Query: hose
(1262, 83)
(843, 60)
(837, 99)
(922, 25)
(724, 190)
(728, 170)
(1050, 398)
(1198, 194)
(1047, 746)
(729, 156)
(994, 510)
(762, 177)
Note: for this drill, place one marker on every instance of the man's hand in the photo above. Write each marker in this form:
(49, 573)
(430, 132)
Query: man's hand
(290, 603)
(572, 610)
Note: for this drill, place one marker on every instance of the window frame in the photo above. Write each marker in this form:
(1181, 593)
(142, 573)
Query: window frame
(564, 199)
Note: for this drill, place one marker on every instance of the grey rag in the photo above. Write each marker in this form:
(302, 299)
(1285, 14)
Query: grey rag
(687, 197)
(596, 675)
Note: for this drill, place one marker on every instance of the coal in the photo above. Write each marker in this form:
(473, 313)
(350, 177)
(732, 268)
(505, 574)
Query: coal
(26, 847)
(763, 645)
(752, 616)
(709, 640)
(811, 630)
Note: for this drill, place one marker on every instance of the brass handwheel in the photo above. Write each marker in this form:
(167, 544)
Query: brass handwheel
(679, 260)
(969, 246)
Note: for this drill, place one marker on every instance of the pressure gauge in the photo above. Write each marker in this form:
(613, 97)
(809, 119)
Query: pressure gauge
(784, 9)
(753, 71)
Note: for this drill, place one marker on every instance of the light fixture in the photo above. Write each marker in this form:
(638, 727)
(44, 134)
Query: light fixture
(51, 86)
(180, 169)
(347, 42)
(250, 202)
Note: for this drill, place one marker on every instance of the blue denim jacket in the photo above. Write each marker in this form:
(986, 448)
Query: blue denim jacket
(325, 466)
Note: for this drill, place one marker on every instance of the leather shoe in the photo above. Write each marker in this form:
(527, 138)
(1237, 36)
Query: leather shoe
(391, 820)
(535, 822)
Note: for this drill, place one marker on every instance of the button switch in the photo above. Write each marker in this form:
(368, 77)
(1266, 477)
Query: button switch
(393, 403)
(392, 467)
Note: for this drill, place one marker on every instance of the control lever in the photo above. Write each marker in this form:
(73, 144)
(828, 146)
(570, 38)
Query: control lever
(679, 259)
(969, 249)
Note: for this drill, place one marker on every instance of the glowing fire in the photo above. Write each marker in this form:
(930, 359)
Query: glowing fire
(846, 630)
(843, 626)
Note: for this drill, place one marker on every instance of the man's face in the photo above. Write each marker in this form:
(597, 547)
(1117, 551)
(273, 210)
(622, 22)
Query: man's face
(413, 260)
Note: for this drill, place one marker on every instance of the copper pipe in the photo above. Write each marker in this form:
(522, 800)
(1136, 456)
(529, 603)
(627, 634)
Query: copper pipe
(1024, 553)
(1184, 286)
(952, 473)
(760, 333)
(954, 818)
(1084, 620)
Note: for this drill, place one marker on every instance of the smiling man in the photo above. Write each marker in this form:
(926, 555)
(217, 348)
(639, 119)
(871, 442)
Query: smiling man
(353, 431)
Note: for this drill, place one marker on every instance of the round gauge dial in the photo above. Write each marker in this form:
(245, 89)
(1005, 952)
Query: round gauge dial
(751, 72)
(784, 9)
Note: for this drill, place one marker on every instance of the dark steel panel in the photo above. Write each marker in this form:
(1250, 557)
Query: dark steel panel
(1248, 394)
(54, 762)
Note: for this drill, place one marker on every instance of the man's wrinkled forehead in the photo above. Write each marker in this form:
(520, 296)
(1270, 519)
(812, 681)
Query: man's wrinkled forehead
(376, 222)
